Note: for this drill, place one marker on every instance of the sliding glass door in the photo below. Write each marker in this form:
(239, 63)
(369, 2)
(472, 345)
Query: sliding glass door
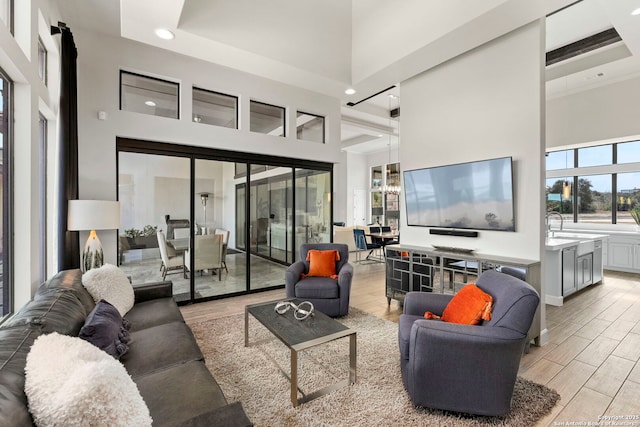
(153, 191)
(215, 223)
(271, 224)
(313, 207)
(218, 267)
(169, 208)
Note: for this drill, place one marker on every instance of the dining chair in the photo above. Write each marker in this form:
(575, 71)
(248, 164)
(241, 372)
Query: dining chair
(169, 262)
(225, 241)
(363, 245)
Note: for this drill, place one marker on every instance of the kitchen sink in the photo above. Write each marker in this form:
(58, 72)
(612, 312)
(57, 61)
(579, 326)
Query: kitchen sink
(585, 241)
(572, 236)
(555, 241)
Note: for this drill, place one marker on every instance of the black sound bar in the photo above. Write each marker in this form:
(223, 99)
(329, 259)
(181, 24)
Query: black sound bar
(450, 232)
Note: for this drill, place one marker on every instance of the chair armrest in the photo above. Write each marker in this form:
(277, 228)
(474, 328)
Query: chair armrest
(292, 276)
(149, 291)
(231, 415)
(417, 303)
(455, 332)
(345, 275)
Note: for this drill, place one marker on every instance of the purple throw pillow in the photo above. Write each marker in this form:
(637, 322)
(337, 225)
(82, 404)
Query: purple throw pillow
(104, 328)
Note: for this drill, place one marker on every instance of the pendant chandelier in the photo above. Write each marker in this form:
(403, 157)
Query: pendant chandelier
(388, 187)
(566, 187)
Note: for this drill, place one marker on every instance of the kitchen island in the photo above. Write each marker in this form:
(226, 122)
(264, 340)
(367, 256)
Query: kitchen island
(573, 261)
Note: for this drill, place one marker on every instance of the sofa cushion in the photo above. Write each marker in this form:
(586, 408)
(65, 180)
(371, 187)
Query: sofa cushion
(15, 343)
(160, 347)
(70, 382)
(317, 287)
(153, 313)
(231, 415)
(69, 280)
(54, 310)
(111, 284)
(180, 393)
(104, 329)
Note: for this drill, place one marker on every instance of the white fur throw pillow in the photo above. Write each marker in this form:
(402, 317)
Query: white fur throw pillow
(110, 284)
(70, 382)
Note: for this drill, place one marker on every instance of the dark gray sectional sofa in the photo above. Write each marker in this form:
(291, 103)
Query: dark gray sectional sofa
(164, 359)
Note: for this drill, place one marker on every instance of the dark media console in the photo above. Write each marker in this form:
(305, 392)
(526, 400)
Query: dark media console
(452, 232)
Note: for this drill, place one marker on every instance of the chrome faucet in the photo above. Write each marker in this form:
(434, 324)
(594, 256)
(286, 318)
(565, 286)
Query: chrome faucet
(549, 225)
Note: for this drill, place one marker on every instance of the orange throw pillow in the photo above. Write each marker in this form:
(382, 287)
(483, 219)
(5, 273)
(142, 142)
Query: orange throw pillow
(469, 306)
(322, 263)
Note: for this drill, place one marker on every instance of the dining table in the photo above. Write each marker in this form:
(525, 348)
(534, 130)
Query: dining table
(383, 238)
(179, 245)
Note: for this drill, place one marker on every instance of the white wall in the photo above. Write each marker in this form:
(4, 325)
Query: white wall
(100, 59)
(603, 113)
(350, 179)
(357, 189)
(487, 103)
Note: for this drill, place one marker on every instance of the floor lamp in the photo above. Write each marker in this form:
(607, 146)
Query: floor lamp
(93, 215)
(204, 196)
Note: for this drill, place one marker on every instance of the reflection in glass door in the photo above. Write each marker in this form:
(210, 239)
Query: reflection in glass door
(279, 233)
(166, 237)
(270, 229)
(313, 207)
(153, 191)
(217, 267)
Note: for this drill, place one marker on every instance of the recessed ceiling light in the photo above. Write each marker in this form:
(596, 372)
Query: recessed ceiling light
(150, 103)
(392, 96)
(636, 12)
(165, 34)
(380, 135)
(350, 91)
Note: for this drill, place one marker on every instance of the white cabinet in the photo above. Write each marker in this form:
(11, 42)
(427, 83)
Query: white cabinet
(584, 270)
(623, 253)
(598, 259)
(636, 256)
(569, 272)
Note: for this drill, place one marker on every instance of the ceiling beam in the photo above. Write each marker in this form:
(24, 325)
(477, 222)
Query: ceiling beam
(596, 41)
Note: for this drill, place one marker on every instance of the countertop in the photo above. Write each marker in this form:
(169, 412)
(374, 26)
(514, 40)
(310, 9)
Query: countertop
(565, 239)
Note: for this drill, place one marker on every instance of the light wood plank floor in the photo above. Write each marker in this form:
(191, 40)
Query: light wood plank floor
(592, 358)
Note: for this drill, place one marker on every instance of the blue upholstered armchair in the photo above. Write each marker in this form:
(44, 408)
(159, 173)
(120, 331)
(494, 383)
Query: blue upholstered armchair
(330, 296)
(466, 368)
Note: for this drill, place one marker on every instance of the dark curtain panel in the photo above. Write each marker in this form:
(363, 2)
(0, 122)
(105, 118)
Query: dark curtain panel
(68, 245)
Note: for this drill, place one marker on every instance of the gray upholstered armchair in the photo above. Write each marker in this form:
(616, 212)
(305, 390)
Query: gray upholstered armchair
(330, 296)
(466, 368)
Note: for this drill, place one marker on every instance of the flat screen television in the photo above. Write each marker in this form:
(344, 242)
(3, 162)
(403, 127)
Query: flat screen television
(475, 195)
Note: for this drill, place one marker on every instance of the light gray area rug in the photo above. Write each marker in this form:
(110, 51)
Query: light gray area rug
(251, 375)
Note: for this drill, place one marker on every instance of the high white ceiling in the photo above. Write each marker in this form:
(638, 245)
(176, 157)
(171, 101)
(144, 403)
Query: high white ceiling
(366, 44)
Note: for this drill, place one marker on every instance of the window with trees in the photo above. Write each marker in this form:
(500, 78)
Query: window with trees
(597, 185)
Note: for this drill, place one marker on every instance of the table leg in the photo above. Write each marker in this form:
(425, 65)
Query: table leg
(246, 327)
(352, 359)
(294, 378)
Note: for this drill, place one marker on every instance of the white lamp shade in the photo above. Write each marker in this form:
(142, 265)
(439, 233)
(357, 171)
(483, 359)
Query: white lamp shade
(93, 215)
